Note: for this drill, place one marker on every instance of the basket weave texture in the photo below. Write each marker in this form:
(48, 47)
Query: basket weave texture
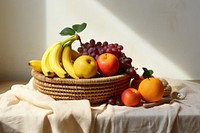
(96, 90)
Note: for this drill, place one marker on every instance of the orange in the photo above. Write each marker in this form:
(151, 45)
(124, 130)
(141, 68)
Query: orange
(151, 89)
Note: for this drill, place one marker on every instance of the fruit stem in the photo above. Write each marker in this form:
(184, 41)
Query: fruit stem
(69, 43)
(79, 38)
(72, 38)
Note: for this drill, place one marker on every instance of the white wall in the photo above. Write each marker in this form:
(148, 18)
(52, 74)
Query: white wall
(22, 36)
(161, 35)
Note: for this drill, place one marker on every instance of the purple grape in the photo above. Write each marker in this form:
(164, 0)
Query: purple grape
(101, 51)
(111, 45)
(116, 45)
(99, 44)
(131, 71)
(136, 77)
(105, 43)
(90, 50)
(128, 60)
(114, 50)
(119, 102)
(96, 56)
(80, 49)
(92, 41)
(85, 50)
(109, 50)
(124, 65)
(120, 47)
(112, 101)
(95, 49)
(93, 54)
(84, 53)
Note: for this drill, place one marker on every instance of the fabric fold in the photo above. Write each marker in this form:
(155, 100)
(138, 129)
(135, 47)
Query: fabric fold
(24, 109)
(27, 110)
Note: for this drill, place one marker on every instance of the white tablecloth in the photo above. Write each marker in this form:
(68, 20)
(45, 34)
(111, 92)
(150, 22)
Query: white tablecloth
(183, 117)
(23, 109)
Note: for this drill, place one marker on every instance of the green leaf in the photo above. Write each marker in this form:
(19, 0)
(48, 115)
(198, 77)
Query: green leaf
(67, 31)
(150, 72)
(79, 27)
(147, 73)
(75, 27)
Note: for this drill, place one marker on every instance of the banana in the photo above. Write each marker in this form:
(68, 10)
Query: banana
(67, 61)
(46, 69)
(35, 65)
(54, 60)
(55, 67)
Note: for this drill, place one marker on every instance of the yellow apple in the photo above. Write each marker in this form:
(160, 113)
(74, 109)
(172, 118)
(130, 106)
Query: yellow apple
(85, 66)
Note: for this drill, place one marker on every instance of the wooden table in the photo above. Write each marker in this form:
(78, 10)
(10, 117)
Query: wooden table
(6, 85)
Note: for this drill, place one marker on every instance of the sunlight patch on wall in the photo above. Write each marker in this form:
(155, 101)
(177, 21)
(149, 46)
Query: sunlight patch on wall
(142, 52)
(103, 25)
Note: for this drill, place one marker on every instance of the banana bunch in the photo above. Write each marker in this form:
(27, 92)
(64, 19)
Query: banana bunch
(57, 60)
(35, 65)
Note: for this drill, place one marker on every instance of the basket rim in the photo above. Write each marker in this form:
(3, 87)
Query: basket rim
(79, 86)
(99, 80)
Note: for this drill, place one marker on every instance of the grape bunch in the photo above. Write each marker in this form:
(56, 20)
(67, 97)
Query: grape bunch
(95, 49)
(115, 101)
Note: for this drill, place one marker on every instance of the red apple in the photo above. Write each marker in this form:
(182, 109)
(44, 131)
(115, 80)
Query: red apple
(131, 97)
(108, 64)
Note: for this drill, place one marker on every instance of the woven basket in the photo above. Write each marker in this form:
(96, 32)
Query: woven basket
(96, 90)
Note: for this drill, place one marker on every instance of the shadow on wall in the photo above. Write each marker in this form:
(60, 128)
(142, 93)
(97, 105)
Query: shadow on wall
(172, 27)
(22, 36)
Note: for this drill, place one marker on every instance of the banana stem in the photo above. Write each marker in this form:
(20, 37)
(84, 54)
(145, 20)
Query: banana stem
(72, 38)
(68, 43)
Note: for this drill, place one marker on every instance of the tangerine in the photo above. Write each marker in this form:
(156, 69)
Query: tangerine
(151, 89)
